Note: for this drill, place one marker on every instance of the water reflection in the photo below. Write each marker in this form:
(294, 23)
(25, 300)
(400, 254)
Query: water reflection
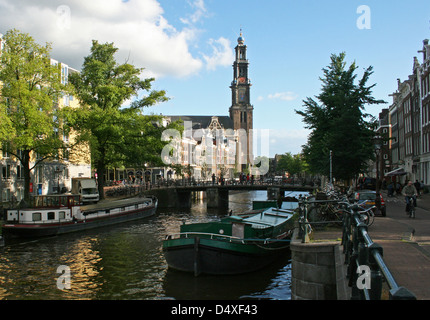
(126, 262)
(263, 284)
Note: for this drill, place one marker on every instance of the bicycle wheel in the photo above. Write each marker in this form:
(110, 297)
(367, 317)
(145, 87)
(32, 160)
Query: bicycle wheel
(412, 212)
(322, 214)
(314, 215)
(367, 218)
(371, 218)
(338, 217)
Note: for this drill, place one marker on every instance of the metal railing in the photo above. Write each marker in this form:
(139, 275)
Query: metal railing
(361, 253)
(218, 236)
(360, 250)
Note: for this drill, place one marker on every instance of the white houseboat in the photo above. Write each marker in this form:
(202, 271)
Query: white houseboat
(53, 215)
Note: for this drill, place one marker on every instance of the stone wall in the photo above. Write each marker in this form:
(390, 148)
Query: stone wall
(318, 272)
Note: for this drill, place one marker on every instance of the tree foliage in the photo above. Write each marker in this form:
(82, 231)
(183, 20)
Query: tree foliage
(338, 123)
(293, 164)
(117, 134)
(31, 87)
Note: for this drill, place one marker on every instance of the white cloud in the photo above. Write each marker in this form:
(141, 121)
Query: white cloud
(222, 54)
(137, 27)
(198, 14)
(285, 96)
(287, 140)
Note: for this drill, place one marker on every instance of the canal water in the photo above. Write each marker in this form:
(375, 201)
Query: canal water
(126, 262)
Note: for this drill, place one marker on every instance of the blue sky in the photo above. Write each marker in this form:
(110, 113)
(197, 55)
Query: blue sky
(289, 42)
(187, 45)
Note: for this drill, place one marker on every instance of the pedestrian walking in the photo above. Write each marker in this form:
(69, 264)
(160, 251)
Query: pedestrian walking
(390, 189)
(417, 185)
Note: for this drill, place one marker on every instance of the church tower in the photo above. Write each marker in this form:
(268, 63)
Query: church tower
(241, 110)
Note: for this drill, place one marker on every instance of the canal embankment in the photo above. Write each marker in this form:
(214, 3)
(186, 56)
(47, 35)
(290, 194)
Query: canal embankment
(318, 269)
(404, 244)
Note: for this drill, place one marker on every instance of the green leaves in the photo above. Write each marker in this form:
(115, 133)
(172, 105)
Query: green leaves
(290, 163)
(30, 90)
(338, 123)
(119, 134)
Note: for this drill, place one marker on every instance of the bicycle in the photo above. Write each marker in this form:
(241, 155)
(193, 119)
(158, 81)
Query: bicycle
(410, 208)
(368, 215)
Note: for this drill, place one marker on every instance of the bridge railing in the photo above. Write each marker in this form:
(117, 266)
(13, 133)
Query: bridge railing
(366, 268)
(118, 189)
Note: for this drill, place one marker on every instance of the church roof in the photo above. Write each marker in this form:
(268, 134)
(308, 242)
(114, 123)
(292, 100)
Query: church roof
(203, 122)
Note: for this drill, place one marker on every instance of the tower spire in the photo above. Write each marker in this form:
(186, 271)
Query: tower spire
(240, 40)
(241, 110)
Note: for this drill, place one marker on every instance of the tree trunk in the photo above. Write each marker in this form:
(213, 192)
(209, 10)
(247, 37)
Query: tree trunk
(101, 169)
(25, 162)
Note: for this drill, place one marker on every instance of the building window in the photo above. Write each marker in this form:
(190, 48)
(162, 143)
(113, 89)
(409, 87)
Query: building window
(5, 154)
(6, 171)
(39, 174)
(20, 172)
(6, 195)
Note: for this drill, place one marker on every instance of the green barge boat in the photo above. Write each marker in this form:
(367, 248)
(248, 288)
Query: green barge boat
(235, 244)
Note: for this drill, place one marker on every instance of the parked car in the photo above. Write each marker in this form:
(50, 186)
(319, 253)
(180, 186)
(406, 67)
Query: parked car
(368, 183)
(369, 197)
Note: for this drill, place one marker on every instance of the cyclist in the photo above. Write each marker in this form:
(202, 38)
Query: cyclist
(410, 191)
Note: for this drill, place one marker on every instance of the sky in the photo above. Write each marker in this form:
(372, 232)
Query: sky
(188, 47)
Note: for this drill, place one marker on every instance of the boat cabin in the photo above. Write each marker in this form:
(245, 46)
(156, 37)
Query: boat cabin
(46, 209)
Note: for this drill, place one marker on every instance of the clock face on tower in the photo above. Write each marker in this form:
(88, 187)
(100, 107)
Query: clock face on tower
(241, 95)
(242, 80)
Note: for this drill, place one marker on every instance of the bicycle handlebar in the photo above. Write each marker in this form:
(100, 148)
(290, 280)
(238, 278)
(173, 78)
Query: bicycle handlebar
(367, 209)
(355, 206)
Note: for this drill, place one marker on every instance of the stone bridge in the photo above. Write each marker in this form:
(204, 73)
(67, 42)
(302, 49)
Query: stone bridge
(217, 195)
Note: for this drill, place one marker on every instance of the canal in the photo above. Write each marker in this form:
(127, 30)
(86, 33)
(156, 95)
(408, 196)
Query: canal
(126, 262)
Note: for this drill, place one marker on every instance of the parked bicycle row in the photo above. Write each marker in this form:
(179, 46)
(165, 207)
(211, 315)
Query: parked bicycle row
(328, 208)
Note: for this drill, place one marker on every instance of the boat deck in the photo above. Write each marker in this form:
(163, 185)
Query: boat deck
(270, 217)
(109, 204)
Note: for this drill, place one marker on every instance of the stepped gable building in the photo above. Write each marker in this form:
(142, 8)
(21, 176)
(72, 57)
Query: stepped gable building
(230, 136)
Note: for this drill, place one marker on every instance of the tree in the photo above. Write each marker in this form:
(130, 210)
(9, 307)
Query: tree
(339, 123)
(31, 87)
(293, 164)
(116, 133)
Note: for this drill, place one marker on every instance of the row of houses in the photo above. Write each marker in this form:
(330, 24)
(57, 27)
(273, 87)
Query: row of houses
(406, 124)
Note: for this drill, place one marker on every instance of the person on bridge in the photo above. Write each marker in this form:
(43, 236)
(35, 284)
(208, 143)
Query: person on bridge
(410, 191)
